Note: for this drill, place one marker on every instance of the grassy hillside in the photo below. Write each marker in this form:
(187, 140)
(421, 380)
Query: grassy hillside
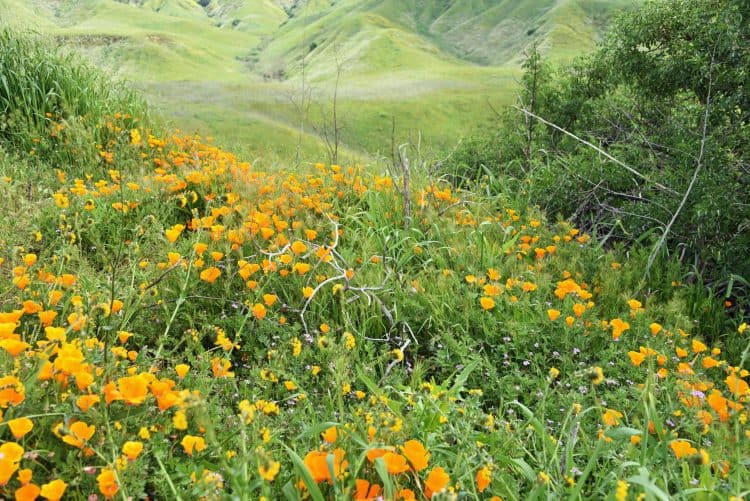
(176, 323)
(234, 68)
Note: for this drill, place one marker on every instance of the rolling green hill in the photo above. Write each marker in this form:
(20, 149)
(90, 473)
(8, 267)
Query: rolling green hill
(255, 72)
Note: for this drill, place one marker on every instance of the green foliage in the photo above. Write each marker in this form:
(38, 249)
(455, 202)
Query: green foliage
(665, 95)
(55, 106)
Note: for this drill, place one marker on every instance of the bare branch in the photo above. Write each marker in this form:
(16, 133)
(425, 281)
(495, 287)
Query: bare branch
(406, 190)
(698, 168)
(599, 150)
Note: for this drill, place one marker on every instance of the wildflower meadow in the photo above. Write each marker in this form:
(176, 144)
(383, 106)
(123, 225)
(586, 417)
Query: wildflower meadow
(177, 323)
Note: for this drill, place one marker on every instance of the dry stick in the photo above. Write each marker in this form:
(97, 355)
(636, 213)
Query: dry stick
(599, 150)
(455, 204)
(393, 143)
(366, 291)
(396, 362)
(336, 130)
(598, 186)
(697, 170)
(406, 191)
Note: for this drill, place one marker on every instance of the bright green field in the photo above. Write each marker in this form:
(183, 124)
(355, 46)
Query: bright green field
(260, 75)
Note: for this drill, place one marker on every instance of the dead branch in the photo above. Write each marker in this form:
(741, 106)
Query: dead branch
(599, 150)
(698, 168)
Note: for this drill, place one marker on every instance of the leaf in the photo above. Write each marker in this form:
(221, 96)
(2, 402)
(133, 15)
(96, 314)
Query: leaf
(622, 433)
(303, 472)
(649, 486)
(315, 430)
(376, 390)
(535, 423)
(382, 470)
(330, 463)
(525, 469)
(290, 492)
(463, 376)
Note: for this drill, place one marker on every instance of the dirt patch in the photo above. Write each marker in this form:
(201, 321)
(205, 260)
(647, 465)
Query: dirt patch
(89, 41)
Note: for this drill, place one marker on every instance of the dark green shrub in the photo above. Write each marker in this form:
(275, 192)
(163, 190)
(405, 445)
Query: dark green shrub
(666, 96)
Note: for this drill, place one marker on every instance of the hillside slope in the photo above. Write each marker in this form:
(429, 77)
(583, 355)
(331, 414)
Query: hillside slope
(264, 68)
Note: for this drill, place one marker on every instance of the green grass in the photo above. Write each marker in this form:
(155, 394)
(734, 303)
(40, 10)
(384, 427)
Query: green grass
(259, 115)
(56, 109)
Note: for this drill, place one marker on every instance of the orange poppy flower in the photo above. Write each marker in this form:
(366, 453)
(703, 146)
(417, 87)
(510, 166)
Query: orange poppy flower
(53, 491)
(133, 389)
(298, 247)
(436, 481)
(14, 346)
(31, 307)
(395, 463)
(737, 386)
(28, 492)
(85, 402)
(174, 232)
(330, 435)
(79, 433)
(611, 417)
(636, 358)
(190, 443)
(11, 451)
(315, 461)
(10, 317)
(682, 448)
(46, 317)
(407, 495)
(709, 363)
(108, 485)
(416, 453)
(484, 478)
(317, 464)
(365, 491)
(132, 449)
(20, 427)
(77, 321)
(269, 472)
(259, 311)
(618, 327)
(579, 309)
(210, 274)
(698, 346)
(373, 454)
(7, 469)
(181, 370)
(12, 391)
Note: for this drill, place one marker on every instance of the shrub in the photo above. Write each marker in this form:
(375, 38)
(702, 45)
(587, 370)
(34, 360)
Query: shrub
(665, 96)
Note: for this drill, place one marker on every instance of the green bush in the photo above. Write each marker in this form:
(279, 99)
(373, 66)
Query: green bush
(666, 96)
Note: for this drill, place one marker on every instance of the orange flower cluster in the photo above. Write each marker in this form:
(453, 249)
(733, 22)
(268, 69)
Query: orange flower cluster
(114, 386)
(412, 456)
